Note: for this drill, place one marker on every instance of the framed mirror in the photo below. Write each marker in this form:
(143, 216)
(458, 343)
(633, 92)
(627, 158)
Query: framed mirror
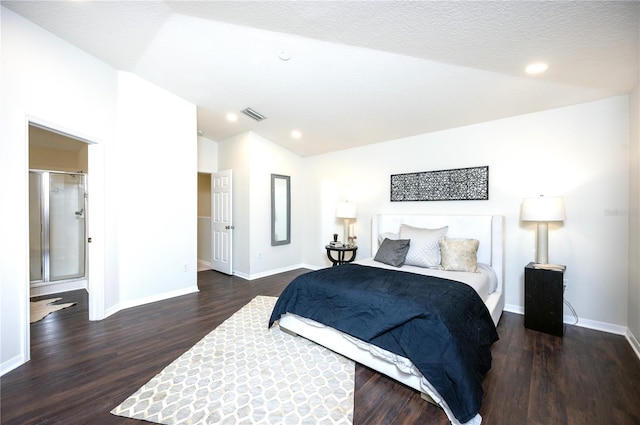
(280, 209)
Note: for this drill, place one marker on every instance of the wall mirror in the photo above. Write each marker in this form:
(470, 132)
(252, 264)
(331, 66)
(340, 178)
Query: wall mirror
(280, 209)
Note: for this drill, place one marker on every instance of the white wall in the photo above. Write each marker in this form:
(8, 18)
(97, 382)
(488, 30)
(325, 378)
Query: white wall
(141, 179)
(579, 152)
(50, 82)
(157, 187)
(207, 155)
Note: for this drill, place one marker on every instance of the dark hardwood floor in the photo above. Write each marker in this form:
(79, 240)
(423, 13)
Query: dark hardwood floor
(80, 370)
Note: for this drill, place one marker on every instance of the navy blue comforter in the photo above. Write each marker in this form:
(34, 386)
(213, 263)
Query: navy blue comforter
(441, 325)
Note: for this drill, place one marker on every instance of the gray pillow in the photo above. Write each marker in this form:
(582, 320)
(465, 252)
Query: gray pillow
(392, 252)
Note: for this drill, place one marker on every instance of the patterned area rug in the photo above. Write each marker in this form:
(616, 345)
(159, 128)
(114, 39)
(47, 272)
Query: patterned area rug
(244, 373)
(38, 310)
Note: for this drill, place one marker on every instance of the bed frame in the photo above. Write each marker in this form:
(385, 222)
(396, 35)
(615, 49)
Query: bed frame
(487, 229)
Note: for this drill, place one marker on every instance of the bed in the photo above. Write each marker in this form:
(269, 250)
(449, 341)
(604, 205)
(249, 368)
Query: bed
(375, 348)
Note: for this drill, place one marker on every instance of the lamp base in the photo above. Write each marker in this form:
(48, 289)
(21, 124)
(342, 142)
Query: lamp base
(542, 250)
(346, 231)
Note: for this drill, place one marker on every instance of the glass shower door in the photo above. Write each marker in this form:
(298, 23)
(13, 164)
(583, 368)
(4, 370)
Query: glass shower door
(57, 226)
(66, 226)
(35, 227)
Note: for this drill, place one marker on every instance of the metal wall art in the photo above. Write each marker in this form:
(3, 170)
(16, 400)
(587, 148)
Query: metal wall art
(460, 184)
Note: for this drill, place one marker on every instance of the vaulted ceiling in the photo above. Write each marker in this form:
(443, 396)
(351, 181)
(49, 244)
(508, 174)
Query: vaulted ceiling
(349, 73)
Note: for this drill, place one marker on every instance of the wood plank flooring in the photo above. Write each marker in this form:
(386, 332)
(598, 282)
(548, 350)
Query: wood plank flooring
(80, 370)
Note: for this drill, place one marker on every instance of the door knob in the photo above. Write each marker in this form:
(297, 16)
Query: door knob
(229, 227)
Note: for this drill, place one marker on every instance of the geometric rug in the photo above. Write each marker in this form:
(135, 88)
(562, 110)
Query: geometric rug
(41, 309)
(244, 373)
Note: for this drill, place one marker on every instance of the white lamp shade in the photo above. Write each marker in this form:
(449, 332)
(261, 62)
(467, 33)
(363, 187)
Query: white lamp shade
(543, 208)
(346, 210)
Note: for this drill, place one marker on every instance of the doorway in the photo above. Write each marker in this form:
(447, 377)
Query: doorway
(215, 215)
(204, 221)
(57, 212)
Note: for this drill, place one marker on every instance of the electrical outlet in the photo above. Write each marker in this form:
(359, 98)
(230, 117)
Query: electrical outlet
(184, 267)
(259, 255)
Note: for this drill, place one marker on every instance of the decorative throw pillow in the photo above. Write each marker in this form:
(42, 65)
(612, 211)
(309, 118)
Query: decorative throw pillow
(459, 254)
(392, 252)
(424, 250)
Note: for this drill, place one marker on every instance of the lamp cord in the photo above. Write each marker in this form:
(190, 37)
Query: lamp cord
(572, 311)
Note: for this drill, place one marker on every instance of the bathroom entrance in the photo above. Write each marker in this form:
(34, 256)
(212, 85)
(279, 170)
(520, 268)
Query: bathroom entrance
(57, 212)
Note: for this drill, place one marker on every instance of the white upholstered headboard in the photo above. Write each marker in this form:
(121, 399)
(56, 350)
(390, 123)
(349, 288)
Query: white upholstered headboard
(488, 229)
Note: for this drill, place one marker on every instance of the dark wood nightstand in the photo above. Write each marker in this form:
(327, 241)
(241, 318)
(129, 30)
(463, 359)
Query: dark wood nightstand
(340, 252)
(543, 298)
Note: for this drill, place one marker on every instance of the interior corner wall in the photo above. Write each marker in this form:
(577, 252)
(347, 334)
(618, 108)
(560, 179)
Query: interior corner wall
(579, 152)
(207, 155)
(50, 82)
(634, 214)
(267, 158)
(253, 159)
(157, 192)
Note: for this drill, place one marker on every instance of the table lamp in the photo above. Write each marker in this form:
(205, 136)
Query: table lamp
(346, 210)
(543, 209)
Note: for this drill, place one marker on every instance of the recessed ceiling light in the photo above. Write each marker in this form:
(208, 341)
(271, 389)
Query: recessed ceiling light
(296, 134)
(232, 117)
(536, 68)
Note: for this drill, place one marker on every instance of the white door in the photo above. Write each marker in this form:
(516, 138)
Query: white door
(221, 222)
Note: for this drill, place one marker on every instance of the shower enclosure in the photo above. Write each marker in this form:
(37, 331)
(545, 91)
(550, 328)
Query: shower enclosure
(57, 229)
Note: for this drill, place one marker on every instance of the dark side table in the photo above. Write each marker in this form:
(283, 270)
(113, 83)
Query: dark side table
(543, 298)
(340, 254)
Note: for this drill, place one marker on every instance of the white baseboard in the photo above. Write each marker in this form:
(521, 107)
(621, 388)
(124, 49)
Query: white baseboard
(511, 308)
(311, 267)
(583, 323)
(12, 364)
(203, 265)
(596, 325)
(150, 299)
(111, 310)
(241, 275)
(54, 288)
(634, 342)
(274, 271)
(590, 324)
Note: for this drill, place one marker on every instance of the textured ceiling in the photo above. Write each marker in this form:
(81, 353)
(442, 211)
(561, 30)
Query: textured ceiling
(360, 71)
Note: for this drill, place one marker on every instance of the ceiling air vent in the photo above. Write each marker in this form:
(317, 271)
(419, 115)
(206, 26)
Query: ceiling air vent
(253, 114)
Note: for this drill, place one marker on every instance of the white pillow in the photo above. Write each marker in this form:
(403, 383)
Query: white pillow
(424, 250)
(387, 235)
